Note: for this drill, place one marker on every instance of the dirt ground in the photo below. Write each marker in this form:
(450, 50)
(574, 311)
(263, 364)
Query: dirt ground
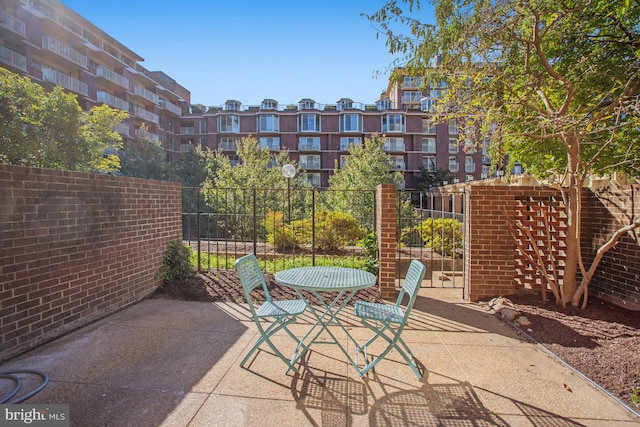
(601, 341)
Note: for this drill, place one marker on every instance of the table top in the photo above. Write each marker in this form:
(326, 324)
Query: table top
(329, 279)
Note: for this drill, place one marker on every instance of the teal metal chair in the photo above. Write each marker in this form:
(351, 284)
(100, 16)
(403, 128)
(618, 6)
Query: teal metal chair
(282, 313)
(388, 321)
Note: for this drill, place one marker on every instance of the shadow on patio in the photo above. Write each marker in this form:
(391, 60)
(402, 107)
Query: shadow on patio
(174, 363)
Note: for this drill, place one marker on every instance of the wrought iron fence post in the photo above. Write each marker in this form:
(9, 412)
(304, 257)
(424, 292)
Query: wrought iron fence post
(198, 226)
(255, 223)
(313, 226)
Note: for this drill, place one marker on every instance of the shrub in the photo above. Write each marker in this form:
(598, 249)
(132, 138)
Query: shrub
(176, 263)
(279, 234)
(410, 237)
(370, 244)
(334, 230)
(442, 236)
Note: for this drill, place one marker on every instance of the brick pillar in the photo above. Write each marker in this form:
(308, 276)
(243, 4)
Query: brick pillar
(386, 231)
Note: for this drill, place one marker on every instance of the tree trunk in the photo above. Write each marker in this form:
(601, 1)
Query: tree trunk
(569, 280)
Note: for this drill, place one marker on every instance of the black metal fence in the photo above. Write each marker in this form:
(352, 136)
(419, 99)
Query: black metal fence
(431, 229)
(290, 225)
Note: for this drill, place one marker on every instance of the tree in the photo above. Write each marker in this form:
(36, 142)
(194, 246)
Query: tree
(144, 157)
(367, 166)
(437, 178)
(229, 188)
(50, 130)
(553, 84)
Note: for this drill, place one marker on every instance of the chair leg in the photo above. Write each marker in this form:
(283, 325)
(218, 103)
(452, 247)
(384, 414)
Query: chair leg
(265, 335)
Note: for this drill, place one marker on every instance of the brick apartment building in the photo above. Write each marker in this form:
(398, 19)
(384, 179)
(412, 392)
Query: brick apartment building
(50, 43)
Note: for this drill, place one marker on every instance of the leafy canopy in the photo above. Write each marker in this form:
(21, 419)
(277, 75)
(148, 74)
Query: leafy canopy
(50, 130)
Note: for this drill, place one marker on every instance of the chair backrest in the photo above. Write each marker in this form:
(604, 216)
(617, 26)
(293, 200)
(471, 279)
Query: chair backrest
(411, 284)
(251, 277)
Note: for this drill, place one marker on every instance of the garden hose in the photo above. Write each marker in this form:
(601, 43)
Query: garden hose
(13, 376)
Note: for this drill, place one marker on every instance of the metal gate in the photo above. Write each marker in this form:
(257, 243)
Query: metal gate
(431, 229)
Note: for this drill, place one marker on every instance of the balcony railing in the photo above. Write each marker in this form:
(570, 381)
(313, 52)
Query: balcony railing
(310, 164)
(393, 146)
(13, 59)
(64, 80)
(123, 129)
(112, 76)
(397, 164)
(470, 167)
(146, 134)
(63, 50)
(228, 146)
(145, 93)
(112, 100)
(12, 23)
(146, 115)
(170, 107)
(309, 146)
(188, 130)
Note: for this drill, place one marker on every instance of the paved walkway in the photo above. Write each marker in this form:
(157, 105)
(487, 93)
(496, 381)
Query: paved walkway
(175, 363)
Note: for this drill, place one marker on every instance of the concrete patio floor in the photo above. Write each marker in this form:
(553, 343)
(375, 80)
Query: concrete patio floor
(174, 363)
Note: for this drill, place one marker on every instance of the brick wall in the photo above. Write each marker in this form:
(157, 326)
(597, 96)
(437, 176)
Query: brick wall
(490, 250)
(490, 257)
(618, 276)
(75, 247)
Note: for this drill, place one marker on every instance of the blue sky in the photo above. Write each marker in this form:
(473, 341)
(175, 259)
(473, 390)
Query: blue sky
(251, 50)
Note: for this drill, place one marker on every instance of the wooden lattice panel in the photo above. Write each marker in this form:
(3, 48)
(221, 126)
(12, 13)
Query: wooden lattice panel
(545, 218)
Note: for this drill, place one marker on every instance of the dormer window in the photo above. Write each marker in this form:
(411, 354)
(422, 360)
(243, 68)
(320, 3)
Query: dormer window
(383, 104)
(345, 104)
(232, 105)
(269, 104)
(307, 104)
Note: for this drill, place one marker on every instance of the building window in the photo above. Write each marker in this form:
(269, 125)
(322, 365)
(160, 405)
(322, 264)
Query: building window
(310, 161)
(429, 105)
(229, 124)
(343, 161)
(453, 164)
(412, 82)
(469, 166)
(344, 104)
(428, 126)
(233, 159)
(307, 104)
(272, 143)
(383, 104)
(393, 144)
(312, 179)
(397, 162)
(228, 144)
(453, 127)
(351, 123)
(232, 105)
(468, 178)
(393, 123)
(429, 145)
(203, 126)
(309, 143)
(268, 123)
(309, 123)
(453, 145)
(429, 163)
(412, 97)
(347, 142)
(269, 104)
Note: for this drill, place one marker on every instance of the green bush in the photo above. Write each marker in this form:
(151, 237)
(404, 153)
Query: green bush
(279, 234)
(442, 236)
(370, 244)
(410, 237)
(334, 230)
(176, 263)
